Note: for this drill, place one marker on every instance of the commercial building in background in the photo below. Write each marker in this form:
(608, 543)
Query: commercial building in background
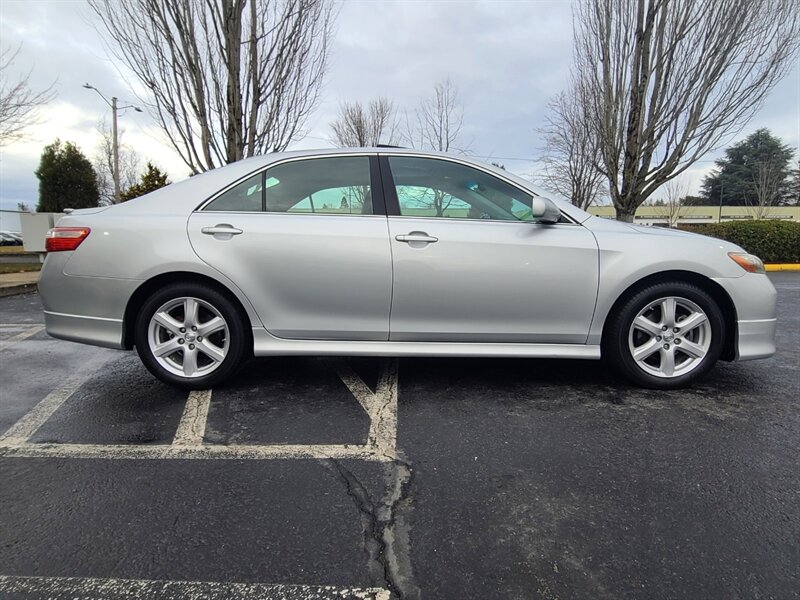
(10, 221)
(666, 215)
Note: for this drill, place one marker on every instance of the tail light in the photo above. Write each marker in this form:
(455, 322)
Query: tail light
(60, 239)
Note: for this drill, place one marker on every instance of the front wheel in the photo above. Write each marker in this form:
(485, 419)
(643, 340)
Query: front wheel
(190, 336)
(666, 336)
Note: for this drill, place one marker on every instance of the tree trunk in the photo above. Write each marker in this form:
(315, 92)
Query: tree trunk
(625, 212)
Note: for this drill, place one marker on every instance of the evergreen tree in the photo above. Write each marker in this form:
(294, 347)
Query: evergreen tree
(152, 180)
(66, 179)
(742, 175)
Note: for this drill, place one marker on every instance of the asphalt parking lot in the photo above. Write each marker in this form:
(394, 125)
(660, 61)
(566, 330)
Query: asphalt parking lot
(419, 478)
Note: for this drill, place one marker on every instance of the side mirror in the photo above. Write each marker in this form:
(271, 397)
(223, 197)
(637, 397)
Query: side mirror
(544, 210)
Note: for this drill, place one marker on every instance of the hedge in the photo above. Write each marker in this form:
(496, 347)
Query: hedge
(772, 241)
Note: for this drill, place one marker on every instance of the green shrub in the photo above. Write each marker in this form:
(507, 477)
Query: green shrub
(772, 241)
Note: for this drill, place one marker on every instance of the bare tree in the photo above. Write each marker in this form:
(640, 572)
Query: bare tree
(358, 126)
(768, 186)
(571, 153)
(669, 80)
(672, 205)
(103, 163)
(793, 195)
(437, 126)
(226, 79)
(18, 102)
(438, 120)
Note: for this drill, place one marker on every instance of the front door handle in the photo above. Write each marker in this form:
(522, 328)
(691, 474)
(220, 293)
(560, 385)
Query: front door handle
(222, 228)
(416, 236)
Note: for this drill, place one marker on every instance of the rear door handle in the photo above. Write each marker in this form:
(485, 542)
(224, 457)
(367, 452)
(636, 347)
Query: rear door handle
(221, 229)
(416, 236)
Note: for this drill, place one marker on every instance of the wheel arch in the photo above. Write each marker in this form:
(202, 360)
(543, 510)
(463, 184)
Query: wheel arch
(708, 285)
(147, 288)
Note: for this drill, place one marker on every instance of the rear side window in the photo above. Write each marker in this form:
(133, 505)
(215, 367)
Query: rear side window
(334, 186)
(243, 197)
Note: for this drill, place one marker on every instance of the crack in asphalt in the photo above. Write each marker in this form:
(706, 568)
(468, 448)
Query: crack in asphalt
(386, 541)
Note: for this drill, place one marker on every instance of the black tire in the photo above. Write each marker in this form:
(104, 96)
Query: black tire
(235, 338)
(619, 335)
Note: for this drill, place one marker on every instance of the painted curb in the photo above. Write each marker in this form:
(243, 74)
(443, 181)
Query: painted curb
(24, 288)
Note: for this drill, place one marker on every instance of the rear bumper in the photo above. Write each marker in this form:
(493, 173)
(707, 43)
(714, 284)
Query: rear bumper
(86, 330)
(89, 310)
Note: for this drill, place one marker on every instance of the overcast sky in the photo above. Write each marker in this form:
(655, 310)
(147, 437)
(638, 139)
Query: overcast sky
(506, 57)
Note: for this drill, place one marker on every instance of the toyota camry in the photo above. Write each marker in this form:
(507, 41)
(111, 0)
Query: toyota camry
(400, 253)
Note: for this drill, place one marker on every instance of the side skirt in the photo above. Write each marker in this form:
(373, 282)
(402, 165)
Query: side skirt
(265, 344)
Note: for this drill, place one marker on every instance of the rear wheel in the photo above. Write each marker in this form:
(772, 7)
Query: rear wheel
(666, 336)
(190, 336)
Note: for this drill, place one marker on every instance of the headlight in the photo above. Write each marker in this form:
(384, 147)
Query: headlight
(750, 263)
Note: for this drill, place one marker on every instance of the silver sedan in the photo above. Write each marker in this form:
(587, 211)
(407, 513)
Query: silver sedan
(394, 252)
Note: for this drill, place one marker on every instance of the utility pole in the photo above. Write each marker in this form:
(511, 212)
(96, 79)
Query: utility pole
(115, 146)
(114, 135)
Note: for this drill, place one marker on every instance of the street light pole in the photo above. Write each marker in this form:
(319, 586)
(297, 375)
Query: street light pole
(115, 146)
(114, 136)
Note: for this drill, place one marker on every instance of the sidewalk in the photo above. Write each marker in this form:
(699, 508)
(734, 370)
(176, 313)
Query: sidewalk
(18, 283)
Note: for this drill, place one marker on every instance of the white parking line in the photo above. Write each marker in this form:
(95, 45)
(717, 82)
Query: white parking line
(380, 406)
(205, 451)
(32, 330)
(192, 426)
(22, 430)
(86, 588)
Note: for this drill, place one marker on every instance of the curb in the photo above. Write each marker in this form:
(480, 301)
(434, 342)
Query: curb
(13, 290)
(24, 288)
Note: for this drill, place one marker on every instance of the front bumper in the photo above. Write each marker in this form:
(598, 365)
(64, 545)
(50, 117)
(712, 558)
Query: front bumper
(756, 339)
(755, 300)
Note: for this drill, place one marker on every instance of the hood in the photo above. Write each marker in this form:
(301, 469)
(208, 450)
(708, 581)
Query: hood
(599, 224)
(662, 231)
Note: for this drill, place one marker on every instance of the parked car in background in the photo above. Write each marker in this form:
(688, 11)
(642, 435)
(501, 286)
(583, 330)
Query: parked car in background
(7, 238)
(394, 252)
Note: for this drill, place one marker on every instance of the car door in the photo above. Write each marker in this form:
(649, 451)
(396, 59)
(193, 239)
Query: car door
(306, 240)
(471, 266)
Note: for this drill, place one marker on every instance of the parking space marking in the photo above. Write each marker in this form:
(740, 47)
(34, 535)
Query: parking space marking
(380, 406)
(205, 451)
(32, 330)
(80, 588)
(22, 430)
(192, 426)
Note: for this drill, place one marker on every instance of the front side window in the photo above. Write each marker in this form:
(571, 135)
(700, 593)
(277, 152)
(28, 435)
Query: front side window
(428, 187)
(335, 186)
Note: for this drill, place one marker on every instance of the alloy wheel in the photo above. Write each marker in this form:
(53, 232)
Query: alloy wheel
(669, 337)
(188, 337)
